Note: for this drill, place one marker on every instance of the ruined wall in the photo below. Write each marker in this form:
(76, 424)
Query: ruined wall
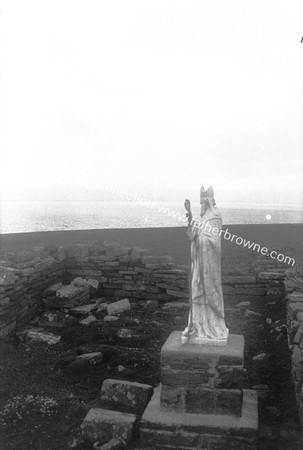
(23, 277)
(294, 306)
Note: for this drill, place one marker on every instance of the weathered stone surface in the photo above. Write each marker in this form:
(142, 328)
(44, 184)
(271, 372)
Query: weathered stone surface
(195, 357)
(113, 444)
(130, 394)
(270, 276)
(69, 291)
(226, 279)
(88, 320)
(83, 310)
(110, 318)
(118, 307)
(202, 400)
(37, 335)
(160, 427)
(112, 424)
(7, 276)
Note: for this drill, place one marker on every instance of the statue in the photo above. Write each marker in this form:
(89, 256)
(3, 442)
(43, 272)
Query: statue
(206, 324)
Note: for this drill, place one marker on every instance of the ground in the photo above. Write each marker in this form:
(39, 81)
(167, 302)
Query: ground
(47, 394)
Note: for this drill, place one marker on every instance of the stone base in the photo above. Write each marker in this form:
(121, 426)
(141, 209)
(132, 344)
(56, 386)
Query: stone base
(201, 378)
(164, 429)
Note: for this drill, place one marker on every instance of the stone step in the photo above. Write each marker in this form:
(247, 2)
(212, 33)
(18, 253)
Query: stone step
(162, 429)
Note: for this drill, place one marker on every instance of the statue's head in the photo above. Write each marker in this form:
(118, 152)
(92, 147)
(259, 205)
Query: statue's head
(207, 200)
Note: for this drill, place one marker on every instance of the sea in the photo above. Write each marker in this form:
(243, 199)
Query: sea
(25, 216)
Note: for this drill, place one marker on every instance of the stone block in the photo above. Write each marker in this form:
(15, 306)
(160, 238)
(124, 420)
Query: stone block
(202, 400)
(201, 358)
(102, 423)
(126, 393)
(118, 307)
(160, 428)
(7, 276)
(240, 279)
(263, 276)
(83, 310)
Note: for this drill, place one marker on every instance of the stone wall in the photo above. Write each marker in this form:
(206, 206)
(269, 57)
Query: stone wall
(123, 272)
(294, 306)
(23, 277)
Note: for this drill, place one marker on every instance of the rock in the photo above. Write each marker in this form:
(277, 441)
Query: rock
(69, 291)
(52, 289)
(126, 393)
(7, 276)
(94, 357)
(113, 444)
(88, 320)
(93, 284)
(83, 310)
(50, 316)
(120, 368)
(268, 321)
(113, 424)
(79, 282)
(37, 335)
(118, 307)
(259, 357)
(243, 304)
(127, 333)
(110, 318)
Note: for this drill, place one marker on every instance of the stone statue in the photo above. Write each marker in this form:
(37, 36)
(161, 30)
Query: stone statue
(206, 324)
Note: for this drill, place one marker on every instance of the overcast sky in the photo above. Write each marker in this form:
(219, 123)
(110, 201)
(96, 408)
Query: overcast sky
(158, 96)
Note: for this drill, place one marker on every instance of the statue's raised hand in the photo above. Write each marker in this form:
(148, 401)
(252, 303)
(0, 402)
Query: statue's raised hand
(187, 205)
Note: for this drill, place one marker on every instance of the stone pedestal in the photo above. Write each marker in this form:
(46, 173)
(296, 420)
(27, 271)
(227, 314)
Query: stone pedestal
(201, 402)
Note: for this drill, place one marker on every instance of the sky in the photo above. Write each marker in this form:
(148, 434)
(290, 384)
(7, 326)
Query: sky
(156, 96)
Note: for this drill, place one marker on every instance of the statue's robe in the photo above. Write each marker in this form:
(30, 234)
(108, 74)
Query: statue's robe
(206, 288)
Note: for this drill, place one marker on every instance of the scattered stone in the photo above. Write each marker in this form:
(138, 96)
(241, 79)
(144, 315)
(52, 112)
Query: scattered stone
(120, 392)
(110, 318)
(118, 307)
(113, 444)
(50, 316)
(83, 310)
(120, 368)
(269, 321)
(113, 424)
(93, 284)
(88, 320)
(94, 357)
(37, 335)
(243, 304)
(259, 357)
(127, 333)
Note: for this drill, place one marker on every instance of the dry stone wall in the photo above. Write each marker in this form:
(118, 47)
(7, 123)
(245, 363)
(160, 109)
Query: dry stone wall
(23, 277)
